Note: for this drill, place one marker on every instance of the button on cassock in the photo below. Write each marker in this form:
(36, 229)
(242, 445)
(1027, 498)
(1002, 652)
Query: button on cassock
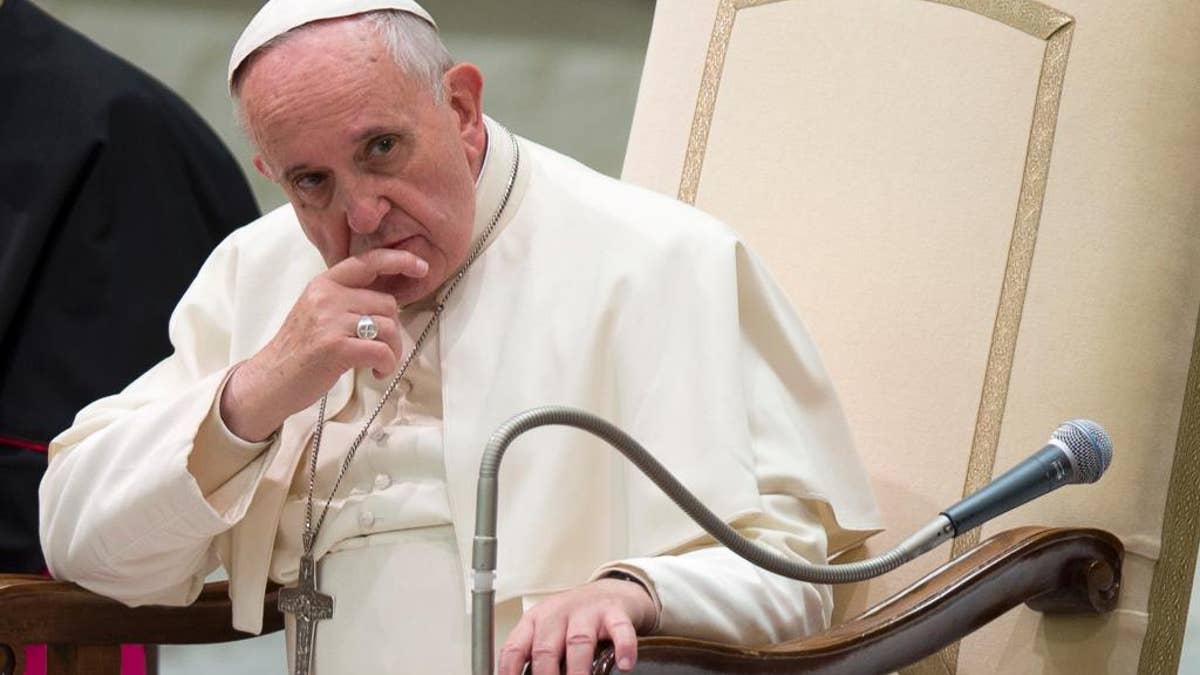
(382, 481)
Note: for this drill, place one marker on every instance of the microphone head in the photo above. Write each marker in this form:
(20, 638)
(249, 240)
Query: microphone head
(1088, 445)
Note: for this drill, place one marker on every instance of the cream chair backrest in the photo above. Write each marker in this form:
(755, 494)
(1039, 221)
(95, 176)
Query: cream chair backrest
(988, 213)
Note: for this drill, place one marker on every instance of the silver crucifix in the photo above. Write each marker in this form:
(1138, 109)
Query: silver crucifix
(309, 606)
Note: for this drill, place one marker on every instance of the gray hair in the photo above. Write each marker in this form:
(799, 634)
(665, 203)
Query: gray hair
(411, 41)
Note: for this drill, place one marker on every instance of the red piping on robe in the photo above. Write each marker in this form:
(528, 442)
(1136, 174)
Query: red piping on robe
(22, 443)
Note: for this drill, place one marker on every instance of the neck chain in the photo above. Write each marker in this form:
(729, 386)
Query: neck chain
(303, 601)
(310, 532)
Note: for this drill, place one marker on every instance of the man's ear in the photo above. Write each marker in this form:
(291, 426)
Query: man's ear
(262, 167)
(463, 86)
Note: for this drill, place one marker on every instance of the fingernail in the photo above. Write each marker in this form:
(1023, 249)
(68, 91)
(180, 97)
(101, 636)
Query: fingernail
(422, 267)
(625, 664)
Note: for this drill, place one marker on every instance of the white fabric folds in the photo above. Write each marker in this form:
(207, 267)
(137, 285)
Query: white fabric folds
(596, 295)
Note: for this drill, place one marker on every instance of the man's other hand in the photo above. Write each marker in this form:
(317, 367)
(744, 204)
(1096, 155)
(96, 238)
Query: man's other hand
(573, 622)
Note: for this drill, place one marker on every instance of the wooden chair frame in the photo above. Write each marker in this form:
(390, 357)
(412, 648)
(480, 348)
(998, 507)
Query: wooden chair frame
(1052, 570)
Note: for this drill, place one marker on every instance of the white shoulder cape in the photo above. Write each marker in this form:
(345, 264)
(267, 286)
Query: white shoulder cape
(597, 295)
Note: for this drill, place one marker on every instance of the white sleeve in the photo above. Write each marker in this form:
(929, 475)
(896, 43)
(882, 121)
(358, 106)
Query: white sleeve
(711, 593)
(120, 512)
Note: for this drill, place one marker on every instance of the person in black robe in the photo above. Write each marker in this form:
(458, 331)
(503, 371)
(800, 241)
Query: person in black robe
(112, 193)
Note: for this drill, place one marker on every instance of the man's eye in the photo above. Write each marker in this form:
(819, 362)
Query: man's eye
(382, 146)
(308, 181)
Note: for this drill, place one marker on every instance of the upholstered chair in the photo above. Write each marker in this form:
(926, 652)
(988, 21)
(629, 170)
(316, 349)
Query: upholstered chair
(988, 214)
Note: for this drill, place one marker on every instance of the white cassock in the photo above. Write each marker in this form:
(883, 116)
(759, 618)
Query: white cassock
(592, 294)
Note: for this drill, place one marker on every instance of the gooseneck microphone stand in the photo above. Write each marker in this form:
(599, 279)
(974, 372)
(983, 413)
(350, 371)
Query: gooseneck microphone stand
(1079, 451)
(484, 550)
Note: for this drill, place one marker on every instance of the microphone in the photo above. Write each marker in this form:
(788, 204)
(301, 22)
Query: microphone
(1079, 451)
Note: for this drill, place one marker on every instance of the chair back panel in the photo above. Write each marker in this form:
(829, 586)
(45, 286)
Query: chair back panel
(986, 212)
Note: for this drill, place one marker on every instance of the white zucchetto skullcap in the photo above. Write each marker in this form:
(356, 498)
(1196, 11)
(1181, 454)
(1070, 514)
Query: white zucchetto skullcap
(279, 16)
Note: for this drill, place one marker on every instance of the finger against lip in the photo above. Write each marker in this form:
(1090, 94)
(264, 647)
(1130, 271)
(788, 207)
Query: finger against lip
(362, 269)
(399, 261)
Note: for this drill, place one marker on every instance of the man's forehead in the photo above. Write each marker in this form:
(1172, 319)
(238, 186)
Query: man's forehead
(302, 102)
(348, 108)
(278, 17)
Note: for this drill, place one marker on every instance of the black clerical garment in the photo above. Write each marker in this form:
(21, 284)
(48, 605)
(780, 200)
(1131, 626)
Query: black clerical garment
(112, 193)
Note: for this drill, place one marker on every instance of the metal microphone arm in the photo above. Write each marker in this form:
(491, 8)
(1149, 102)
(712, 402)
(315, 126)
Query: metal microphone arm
(484, 550)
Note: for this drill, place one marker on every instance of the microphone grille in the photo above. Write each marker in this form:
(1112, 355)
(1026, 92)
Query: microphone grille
(1089, 444)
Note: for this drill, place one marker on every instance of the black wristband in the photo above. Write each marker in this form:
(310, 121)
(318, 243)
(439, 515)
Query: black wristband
(626, 576)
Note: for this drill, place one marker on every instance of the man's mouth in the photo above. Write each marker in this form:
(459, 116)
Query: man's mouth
(400, 245)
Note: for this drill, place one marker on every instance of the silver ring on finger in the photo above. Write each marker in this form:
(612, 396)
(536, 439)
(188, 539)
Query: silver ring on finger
(367, 328)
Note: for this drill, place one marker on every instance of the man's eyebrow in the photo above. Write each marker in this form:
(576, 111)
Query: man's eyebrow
(403, 133)
(372, 132)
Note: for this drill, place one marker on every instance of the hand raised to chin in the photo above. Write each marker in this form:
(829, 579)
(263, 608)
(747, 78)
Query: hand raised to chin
(318, 342)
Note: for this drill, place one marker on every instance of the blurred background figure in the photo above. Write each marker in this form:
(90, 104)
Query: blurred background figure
(107, 179)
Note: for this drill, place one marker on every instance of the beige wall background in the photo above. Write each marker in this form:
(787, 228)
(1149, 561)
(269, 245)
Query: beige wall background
(562, 72)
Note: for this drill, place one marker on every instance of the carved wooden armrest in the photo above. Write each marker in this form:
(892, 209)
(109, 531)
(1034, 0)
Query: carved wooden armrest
(84, 630)
(1050, 569)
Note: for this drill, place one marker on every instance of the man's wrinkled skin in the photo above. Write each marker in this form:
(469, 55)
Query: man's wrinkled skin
(382, 177)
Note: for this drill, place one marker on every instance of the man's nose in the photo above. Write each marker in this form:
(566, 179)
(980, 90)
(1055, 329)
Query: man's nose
(364, 212)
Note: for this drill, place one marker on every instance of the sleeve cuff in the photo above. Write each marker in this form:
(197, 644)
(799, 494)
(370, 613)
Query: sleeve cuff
(230, 438)
(632, 569)
(218, 454)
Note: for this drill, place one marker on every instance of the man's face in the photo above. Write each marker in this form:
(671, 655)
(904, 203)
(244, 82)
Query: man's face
(366, 155)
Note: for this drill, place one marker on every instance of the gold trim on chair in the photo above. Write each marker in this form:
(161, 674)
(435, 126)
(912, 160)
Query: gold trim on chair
(1027, 16)
(1016, 272)
(982, 460)
(1032, 18)
(1170, 592)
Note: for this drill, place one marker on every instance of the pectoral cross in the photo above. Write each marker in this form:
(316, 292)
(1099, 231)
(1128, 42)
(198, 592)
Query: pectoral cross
(309, 606)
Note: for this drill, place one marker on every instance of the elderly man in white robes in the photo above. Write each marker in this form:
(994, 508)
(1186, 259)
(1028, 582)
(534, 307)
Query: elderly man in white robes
(340, 364)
